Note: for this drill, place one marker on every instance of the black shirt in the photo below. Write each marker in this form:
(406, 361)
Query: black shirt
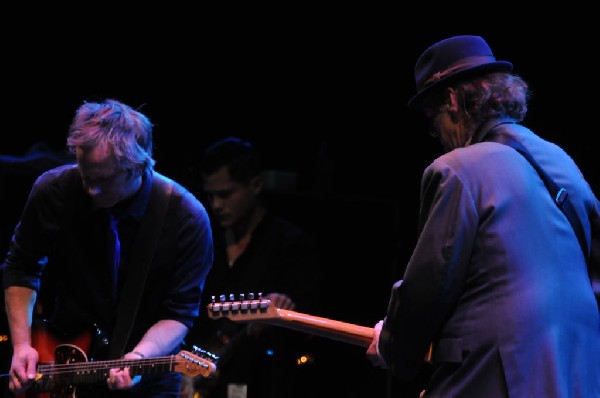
(62, 234)
(279, 258)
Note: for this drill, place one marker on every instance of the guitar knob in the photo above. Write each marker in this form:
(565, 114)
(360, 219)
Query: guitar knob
(250, 296)
(222, 298)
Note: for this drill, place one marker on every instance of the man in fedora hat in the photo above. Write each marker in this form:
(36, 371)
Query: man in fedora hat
(497, 285)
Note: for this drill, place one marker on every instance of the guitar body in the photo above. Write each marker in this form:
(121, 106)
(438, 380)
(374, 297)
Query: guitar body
(48, 343)
(53, 349)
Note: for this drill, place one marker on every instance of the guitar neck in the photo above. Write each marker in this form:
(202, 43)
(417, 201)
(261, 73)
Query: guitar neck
(336, 330)
(92, 372)
(50, 376)
(263, 311)
(324, 327)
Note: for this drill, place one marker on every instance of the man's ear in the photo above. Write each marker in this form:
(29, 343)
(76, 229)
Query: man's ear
(453, 103)
(257, 183)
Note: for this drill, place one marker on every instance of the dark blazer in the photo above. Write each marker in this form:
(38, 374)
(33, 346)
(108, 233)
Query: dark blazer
(497, 280)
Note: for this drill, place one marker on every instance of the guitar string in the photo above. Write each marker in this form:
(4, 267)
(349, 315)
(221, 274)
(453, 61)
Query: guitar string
(55, 369)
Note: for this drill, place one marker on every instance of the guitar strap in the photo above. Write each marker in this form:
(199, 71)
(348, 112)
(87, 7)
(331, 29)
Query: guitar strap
(561, 198)
(143, 251)
(559, 194)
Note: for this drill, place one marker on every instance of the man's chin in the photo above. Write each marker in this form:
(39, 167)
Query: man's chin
(225, 222)
(104, 204)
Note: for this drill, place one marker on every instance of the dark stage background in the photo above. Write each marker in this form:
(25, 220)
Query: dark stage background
(321, 92)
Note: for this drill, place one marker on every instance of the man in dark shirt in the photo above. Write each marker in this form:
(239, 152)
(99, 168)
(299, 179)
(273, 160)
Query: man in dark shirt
(255, 252)
(137, 285)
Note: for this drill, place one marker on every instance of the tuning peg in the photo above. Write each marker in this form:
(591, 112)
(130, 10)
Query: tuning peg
(205, 354)
(250, 296)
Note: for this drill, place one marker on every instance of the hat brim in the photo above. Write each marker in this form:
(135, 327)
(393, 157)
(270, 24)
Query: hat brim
(416, 102)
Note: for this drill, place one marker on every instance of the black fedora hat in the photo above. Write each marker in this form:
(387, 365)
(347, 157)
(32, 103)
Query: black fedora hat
(450, 59)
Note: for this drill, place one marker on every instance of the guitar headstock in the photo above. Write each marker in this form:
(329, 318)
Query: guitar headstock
(244, 309)
(197, 363)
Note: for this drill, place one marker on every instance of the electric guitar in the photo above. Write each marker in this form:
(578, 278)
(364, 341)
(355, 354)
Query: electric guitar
(261, 310)
(58, 374)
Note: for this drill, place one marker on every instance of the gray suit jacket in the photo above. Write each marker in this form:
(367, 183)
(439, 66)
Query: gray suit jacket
(497, 281)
